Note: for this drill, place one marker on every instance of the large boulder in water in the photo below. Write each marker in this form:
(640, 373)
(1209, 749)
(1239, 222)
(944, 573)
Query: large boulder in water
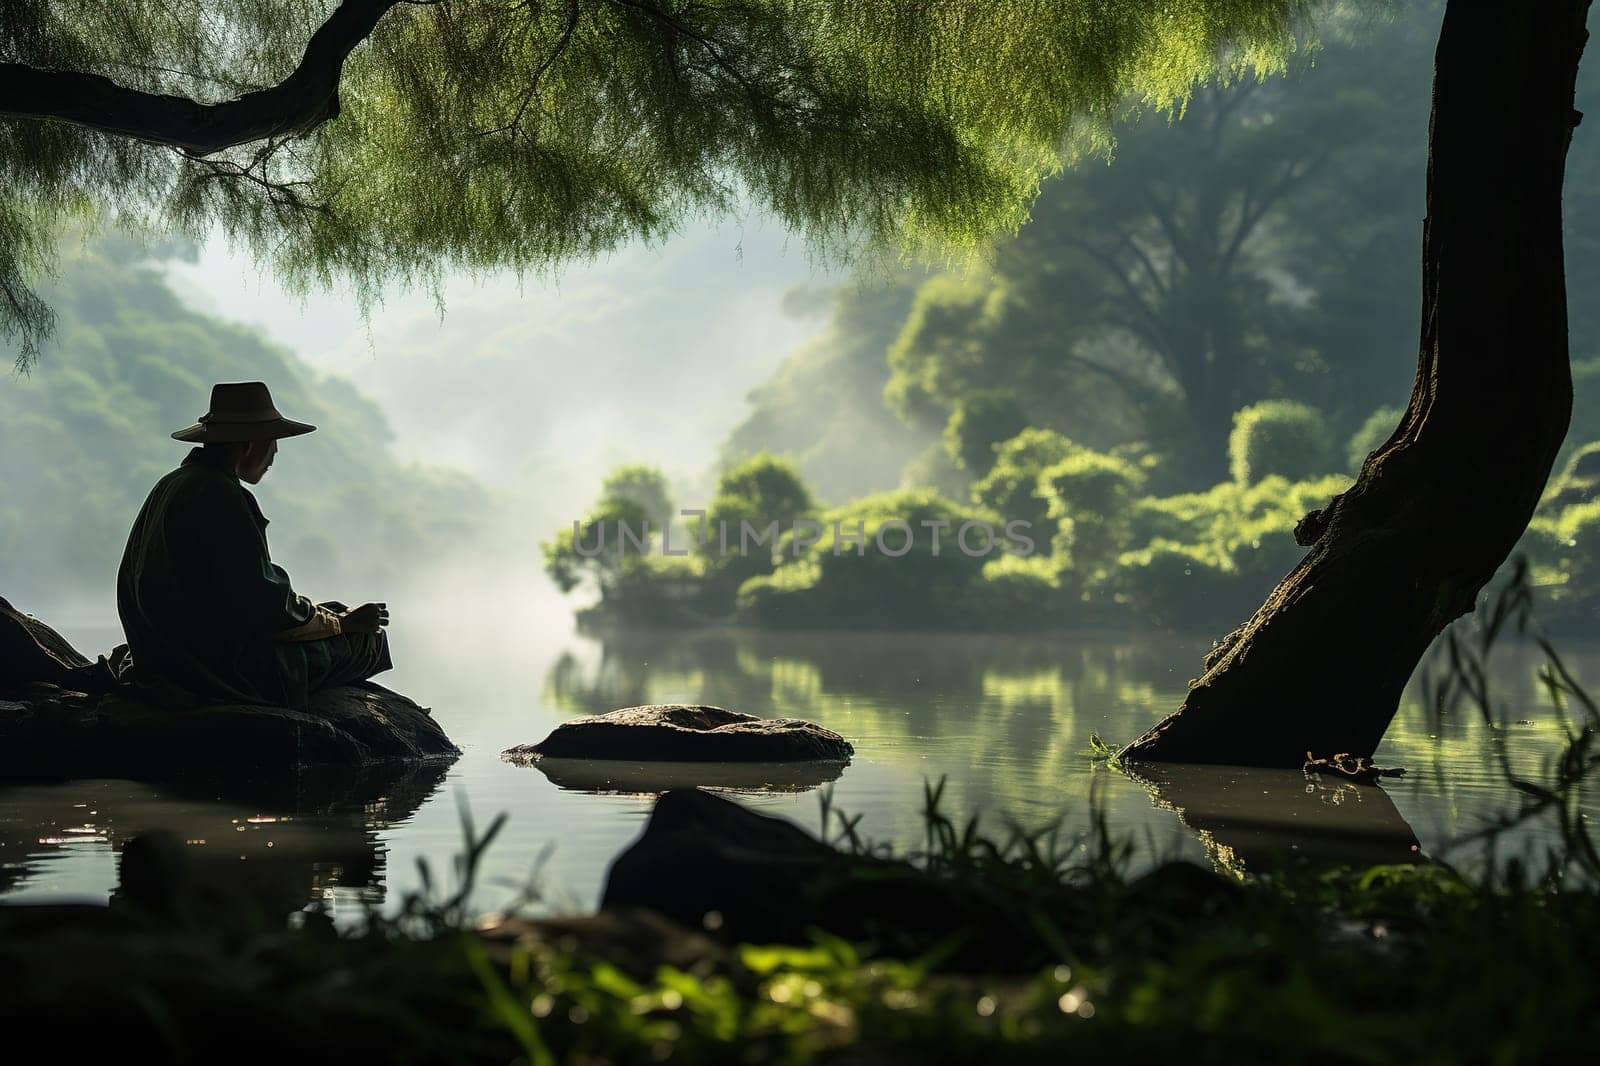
(676, 732)
(60, 715)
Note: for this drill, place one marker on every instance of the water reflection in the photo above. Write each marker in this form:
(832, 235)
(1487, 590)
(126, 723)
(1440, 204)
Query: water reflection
(1005, 721)
(277, 841)
(1251, 819)
(1009, 721)
(612, 777)
(1020, 710)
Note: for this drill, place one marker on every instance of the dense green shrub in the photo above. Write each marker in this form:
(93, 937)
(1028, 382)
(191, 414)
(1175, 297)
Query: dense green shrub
(1011, 487)
(978, 423)
(1278, 437)
(594, 550)
(1173, 584)
(932, 468)
(1370, 437)
(761, 490)
(889, 580)
(1091, 496)
(1028, 591)
(645, 487)
(1222, 549)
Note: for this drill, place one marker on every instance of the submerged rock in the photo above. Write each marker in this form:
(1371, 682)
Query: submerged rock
(676, 732)
(51, 726)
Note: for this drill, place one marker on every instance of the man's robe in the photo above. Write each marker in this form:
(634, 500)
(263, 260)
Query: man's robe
(203, 605)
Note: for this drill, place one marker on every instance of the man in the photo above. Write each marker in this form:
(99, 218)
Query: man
(209, 618)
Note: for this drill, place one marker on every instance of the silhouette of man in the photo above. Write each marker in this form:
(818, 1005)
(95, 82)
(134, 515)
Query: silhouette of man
(208, 616)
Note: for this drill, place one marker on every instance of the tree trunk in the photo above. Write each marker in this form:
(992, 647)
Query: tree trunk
(1438, 508)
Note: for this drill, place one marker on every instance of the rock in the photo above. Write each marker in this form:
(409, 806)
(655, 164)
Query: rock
(49, 726)
(32, 651)
(676, 732)
(76, 734)
(710, 864)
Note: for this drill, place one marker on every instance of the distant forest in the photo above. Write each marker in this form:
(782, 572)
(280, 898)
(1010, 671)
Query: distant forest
(82, 441)
(1184, 351)
(1265, 246)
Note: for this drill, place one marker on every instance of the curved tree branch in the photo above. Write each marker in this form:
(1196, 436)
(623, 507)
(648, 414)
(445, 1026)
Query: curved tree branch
(301, 102)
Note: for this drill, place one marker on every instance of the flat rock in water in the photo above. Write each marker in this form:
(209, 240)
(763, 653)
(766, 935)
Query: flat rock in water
(676, 732)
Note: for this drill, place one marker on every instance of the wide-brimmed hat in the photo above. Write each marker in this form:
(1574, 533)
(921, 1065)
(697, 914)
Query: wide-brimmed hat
(241, 411)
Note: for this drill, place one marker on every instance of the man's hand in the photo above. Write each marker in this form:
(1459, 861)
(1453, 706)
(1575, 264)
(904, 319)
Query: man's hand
(368, 618)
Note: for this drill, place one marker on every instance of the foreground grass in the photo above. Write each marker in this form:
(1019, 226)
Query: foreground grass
(1380, 965)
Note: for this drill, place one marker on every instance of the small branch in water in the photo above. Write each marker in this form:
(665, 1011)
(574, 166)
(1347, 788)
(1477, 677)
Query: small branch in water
(1349, 767)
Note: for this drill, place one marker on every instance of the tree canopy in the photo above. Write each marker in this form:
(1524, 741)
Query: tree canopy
(381, 140)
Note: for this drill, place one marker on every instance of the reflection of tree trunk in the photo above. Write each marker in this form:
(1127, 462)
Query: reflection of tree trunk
(1251, 819)
(1438, 508)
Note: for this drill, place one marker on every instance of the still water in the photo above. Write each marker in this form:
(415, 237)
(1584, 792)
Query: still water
(1005, 721)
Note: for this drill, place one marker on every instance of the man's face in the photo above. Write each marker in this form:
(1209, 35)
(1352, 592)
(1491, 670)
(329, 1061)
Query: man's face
(255, 460)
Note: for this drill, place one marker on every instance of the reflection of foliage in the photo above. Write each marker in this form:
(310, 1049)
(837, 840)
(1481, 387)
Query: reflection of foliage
(997, 697)
(1466, 681)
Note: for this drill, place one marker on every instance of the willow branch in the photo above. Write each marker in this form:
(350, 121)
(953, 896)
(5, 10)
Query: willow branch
(301, 102)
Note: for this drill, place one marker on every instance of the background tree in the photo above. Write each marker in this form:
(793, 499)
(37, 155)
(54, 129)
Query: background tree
(763, 491)
(1437, 508)
(645, 488)
(1253, 249)
(823, 406)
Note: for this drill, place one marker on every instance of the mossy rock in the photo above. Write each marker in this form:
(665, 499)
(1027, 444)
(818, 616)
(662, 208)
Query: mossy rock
(677, 732)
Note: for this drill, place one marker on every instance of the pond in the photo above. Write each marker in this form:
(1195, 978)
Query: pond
(1004, 721)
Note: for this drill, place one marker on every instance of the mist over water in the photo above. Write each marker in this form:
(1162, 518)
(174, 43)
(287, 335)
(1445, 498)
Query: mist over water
(537, 387)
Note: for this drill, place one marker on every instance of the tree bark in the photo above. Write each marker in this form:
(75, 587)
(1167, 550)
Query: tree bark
(1438, 508)
(304, 100)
